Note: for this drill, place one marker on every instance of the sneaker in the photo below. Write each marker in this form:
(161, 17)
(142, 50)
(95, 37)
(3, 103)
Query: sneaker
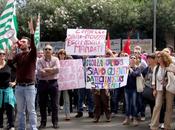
(80, 114)
(55, 125)
(113, 115)
(161, 126)
(108, 120)
(135, 122)
(42, 125)
(126, 121)
(142, 118)
(12, 128)
(61, 107)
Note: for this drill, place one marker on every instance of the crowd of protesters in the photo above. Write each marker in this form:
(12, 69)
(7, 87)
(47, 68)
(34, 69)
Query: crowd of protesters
(40, 70)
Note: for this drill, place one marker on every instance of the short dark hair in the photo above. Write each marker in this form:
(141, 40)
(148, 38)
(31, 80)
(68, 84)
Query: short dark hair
(151, 55)
(28, 39)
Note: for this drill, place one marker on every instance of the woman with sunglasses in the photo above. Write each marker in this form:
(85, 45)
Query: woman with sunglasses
(130, 92)
(66, 93)
(7, 98)
(159, 83)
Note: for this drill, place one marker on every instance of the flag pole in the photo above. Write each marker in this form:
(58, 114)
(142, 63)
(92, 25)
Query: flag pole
(154, 26)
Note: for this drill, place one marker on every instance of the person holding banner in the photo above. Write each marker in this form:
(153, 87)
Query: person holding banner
(48, 68)
(66, 93)
(82, 93)
(102, 99)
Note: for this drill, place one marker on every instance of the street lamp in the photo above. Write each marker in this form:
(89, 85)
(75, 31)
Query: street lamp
(154, 26)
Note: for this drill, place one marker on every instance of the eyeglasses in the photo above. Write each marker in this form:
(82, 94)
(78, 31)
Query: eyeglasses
(132, 57)
(47, 49)
(3, 54)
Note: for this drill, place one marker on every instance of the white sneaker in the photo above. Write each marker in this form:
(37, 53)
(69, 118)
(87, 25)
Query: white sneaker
(161, 126)
(12, 128)
(61, 107)
(142, 118)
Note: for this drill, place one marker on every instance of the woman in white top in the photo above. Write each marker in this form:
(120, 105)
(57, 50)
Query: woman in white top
(161, 94)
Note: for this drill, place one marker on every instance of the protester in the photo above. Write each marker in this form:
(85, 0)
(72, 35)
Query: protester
(117, 94)
(83, 94)
(147, 73)
(66, 97)
(159, 83)
(102, 99)
(25, 91)
(131, 92)
(48, 68)
(7, 97)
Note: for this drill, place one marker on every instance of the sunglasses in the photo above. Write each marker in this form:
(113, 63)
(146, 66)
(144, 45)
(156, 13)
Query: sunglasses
(132, 57)
(2, 54)
(47, 49)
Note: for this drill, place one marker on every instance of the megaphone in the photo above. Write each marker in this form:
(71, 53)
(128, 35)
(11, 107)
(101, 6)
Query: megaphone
(10, 34)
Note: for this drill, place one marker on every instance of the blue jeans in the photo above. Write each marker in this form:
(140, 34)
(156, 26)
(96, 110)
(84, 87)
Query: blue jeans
(140, 105)
(25, 98)
(81, 96)
(130, 99)
(116, 95)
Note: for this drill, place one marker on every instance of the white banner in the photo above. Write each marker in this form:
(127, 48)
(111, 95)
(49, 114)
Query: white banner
(106, 73)
(85, 41)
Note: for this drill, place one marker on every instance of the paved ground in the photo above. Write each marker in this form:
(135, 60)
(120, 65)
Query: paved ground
(86, 123)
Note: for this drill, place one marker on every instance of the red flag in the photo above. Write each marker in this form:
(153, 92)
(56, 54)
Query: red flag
(108, 42)
(126, 48)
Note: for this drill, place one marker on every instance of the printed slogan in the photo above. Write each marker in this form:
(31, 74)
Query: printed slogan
(71, 74)
(85, 42)
(106, 73)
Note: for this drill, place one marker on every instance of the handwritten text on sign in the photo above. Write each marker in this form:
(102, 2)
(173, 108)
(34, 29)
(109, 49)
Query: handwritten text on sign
(71, 74)
(85, 42)
(106, 73)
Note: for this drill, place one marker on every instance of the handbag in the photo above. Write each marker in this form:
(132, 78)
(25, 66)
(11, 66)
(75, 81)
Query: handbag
(148, 93)
(171, 82)
(140, 84)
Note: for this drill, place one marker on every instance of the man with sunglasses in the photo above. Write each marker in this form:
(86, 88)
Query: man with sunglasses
(47, 68)
(25, 91)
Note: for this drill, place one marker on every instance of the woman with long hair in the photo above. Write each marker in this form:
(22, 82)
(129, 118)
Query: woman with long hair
(66, 93)
(159, 83)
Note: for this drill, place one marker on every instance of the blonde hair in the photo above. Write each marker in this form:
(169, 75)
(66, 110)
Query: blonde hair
(166, 58)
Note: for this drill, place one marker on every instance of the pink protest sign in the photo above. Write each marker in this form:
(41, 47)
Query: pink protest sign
(85, 41)
(71, 74)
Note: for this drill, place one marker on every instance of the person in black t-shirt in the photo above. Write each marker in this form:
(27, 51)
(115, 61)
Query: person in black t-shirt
(7, 98)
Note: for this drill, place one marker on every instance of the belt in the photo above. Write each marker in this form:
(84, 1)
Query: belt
(25, 84)
(48, 81)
